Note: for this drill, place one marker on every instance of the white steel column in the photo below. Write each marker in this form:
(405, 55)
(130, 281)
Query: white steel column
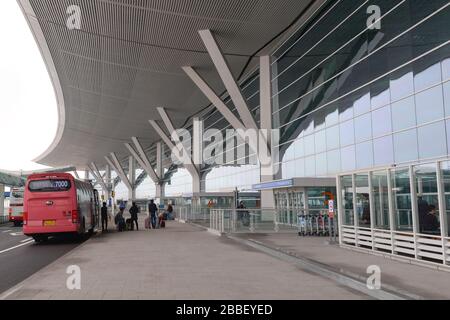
(160, 186)
(392, 224)
(2, 200)
(267, 174)
(442, 209)
(228, 79)
(115, 164)
(132, 178)
(372, 210)
(109, 183)
(214, 98)
(340, 207)
(415, 216)
(99, 177)
(186, 159)
(355, 211)
(142, 159)
(159, 160)
(86, 175)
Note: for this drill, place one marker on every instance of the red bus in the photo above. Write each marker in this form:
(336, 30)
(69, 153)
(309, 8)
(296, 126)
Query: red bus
(56, 204)
(16, 206)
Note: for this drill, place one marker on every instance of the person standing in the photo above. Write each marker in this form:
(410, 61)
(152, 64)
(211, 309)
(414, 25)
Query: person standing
(104, 213)
(134, 211)
(153, 209)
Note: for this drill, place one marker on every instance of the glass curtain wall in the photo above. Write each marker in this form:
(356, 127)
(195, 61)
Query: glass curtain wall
(347, 200)
(350, 98)
(380, 194)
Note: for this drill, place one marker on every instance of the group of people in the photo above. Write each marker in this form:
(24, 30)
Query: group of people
(158, 220)
(154, 221)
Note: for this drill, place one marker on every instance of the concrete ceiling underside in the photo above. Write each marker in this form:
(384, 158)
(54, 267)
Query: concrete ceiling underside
(125, 61)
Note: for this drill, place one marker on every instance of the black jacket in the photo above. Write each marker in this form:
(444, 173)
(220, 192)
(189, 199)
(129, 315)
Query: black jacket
(134, 210)
(152, 208)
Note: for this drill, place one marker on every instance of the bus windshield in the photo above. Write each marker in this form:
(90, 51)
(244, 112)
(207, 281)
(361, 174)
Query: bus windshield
(16, 194)
(49, 185)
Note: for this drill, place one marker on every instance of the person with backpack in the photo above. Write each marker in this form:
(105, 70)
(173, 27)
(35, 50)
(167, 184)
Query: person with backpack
(153, 209)
(134, 211)
(119, 220)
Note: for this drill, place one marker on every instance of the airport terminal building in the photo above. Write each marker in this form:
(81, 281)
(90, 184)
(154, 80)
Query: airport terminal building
(359, 91)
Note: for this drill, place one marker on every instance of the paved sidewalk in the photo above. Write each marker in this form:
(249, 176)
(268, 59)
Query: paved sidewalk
(418, 280)
(179, 262)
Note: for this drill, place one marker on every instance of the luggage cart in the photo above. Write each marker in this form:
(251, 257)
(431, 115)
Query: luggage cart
(302, 225)
(321, 225)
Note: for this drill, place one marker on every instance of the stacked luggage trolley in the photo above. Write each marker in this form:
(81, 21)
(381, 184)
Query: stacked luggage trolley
(318, 224)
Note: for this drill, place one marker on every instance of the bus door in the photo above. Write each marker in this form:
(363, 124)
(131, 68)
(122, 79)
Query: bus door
(96, 223)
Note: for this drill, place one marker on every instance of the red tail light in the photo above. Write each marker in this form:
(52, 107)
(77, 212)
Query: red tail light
(25, 218)
(74, 216)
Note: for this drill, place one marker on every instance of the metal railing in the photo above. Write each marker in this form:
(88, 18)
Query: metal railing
(253, 221)
(424, 247)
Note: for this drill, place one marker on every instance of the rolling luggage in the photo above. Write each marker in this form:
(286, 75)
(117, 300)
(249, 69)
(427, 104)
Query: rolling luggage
(163, 224)
(130, 225)
(122, 225)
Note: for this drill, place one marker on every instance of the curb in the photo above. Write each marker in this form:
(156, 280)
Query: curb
(344, 278)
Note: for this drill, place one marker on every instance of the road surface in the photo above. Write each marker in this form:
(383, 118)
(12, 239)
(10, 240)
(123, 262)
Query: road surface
(20, 257)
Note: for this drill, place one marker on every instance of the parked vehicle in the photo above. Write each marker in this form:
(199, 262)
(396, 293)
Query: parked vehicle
(56, 204)
(16, 206)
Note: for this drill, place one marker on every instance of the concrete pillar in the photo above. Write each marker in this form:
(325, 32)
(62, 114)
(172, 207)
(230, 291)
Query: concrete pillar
(108, 182)
(132, 179)
(160, 191)
(196, 184)
(159, 160)
(2, 200)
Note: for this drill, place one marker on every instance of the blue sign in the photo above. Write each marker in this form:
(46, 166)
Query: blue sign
(274, 185)
(7, 194)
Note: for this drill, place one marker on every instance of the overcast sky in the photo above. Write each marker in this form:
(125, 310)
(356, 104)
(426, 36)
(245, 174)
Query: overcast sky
(28, 113)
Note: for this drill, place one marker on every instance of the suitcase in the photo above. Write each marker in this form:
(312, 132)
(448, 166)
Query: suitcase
(130, 225)
(163, 224)
(147, 223)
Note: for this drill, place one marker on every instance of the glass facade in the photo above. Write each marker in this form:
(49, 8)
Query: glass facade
(348, 98)
(409, 207)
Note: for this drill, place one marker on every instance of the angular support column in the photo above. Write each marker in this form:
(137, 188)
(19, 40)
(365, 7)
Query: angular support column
(132, 178)
(115, 164)
(267, 171)
(186, 159)
(77, 176)
(98, 176)
(109, 183)
(160, 185)
(228, 79)
(141, 157)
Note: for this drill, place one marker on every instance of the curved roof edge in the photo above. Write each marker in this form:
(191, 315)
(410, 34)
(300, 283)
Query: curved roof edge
(39, 37)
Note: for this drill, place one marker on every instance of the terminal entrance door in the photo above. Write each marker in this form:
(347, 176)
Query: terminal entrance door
(289, 203)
